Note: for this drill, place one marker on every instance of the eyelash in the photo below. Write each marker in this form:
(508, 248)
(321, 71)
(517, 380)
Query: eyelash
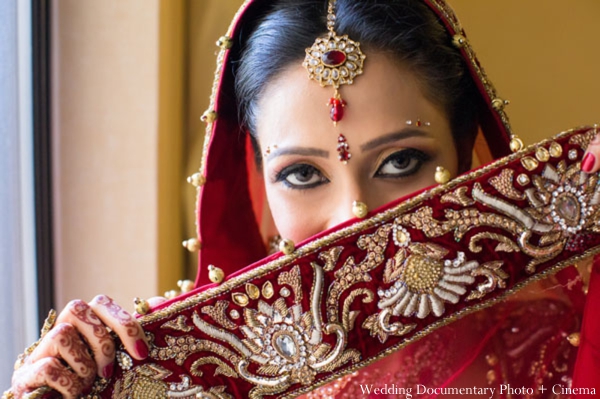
(283, 175)
(410, 153)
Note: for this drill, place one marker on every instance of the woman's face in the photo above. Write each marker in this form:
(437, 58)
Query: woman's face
(308, 189)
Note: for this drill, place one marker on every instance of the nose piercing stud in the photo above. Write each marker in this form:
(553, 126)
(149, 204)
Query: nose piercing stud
(359, 209)
(442, 175)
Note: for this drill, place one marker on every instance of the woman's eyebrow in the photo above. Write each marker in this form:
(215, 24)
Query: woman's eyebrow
(307, 151)
(391, 137)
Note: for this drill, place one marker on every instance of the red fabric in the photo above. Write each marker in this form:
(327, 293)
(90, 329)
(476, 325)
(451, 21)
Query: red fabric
(587, 371)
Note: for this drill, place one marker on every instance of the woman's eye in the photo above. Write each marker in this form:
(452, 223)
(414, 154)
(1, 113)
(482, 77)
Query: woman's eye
(402, 163)
(301, 176)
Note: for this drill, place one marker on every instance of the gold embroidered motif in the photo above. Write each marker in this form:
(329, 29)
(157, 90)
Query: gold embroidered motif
(181, 348)
(505, 244)
(240, 299)
(222, 369)
(458, 196)
(504, 185)
(292, 278)
(351, 273)
(252, 291)
(267, 290)
(179, 324)
(349, 316)
(285, 342)
(555, 150)
(218, 313)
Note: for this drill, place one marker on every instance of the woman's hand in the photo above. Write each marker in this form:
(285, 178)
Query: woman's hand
(79, 348)
(590, 162)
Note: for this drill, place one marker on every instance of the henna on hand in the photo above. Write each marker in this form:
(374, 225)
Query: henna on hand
(46, 372)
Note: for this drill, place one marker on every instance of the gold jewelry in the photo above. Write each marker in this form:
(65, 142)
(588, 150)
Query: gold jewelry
(8, 395)
(574, 339)
(442, 175)
(141, 306)
(185, 285)
(418, 123)
(334, 61)
(287, 246)
(215, 274)
(360, 209)
(48, 324)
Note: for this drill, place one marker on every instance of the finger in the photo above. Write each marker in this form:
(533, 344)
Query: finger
(64, 342)
(82, 317)
(590, 164)
(123, 324)
(49, 372)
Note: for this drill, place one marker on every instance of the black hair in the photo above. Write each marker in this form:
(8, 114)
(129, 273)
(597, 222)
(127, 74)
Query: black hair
(405, 29)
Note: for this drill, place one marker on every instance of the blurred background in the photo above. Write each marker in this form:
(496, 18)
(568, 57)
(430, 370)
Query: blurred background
(118, 88)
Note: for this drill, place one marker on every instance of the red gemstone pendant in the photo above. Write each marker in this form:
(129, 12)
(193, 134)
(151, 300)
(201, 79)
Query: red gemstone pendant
(343, 149)
(337, 109)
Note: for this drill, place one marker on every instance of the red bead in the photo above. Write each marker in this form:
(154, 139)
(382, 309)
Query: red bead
(333, 58)
(419, 123)
(337, 109)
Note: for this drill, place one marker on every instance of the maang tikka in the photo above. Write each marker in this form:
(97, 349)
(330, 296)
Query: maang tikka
(334, 61)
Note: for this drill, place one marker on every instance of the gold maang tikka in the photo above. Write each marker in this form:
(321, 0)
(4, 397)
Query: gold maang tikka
(334, 61)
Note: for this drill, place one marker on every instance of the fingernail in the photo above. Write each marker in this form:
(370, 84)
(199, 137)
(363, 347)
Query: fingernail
(588, 162)
(141, 348)
(108, 370)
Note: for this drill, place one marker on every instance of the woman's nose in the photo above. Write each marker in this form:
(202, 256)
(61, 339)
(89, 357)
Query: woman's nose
(349, 207)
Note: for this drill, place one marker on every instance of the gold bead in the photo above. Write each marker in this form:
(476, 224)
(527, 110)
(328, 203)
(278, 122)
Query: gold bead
(529, 163)
(215, 274)
(225, 42)
(574, 339)
(442, 175)
(185, 285)
(287, 246)
(360, 209)
(498, 104)
(196, 180)
(516, 144)
(171, 294)
(192, 245)
(491, 360)
(459, 40)
(141, 306)
(491, 377)
(209, 116)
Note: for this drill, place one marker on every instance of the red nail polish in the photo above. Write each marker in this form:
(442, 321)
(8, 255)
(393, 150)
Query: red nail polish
(588, 162)
(108, 370)
(141, 348)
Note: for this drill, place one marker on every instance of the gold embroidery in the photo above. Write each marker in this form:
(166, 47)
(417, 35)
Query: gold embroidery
(292, 278)
(351, 273)
(222, 369)
(240, 299)
(458, 196)
(504, 185)
(252, 291)
(179, 324)
(267, 290)
(218, 313)
(285, 342)
(505, 244)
